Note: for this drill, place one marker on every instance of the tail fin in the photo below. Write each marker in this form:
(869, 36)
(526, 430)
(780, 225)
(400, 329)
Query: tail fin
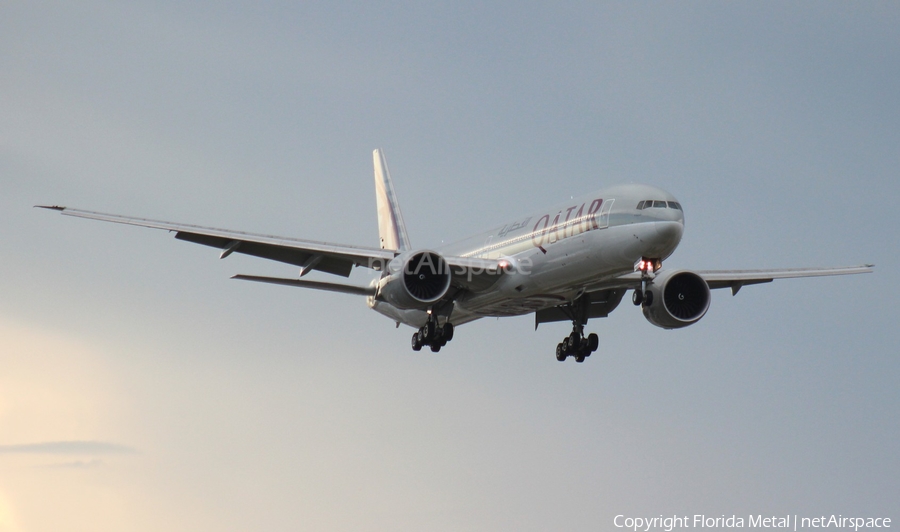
(391, 228)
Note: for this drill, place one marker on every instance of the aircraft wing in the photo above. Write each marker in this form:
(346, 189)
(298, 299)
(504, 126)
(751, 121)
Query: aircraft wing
(604, 296)
(468, 273)
(735, 279)
(307, 254)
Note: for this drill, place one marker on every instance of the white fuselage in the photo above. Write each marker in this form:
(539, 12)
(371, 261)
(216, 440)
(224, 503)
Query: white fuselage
(559, 252)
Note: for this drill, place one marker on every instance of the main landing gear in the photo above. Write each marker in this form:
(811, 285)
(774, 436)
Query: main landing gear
(433, 335)
(577, 345)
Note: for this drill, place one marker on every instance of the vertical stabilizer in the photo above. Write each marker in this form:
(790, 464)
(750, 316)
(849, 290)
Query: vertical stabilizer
(391, 228)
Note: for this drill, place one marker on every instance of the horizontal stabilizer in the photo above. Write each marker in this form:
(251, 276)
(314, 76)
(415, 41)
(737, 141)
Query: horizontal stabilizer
(318, 285)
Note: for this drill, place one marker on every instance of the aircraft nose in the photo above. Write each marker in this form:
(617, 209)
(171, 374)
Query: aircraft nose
(668, 235)
(670, 231)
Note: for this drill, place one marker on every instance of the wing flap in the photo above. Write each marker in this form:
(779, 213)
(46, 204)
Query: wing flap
(289, 255)
(318, 285)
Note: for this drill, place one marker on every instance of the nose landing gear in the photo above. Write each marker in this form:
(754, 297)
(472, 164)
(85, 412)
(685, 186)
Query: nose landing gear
(642, 297)
(647, 267)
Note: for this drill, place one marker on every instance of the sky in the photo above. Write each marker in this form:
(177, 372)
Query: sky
(142, 389)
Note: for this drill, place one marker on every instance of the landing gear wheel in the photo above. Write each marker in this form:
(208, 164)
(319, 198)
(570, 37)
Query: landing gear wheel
(593, 342)
(560, 352)
(448, 332)
(428, 332)
(579, 358)
(432, 335)
(648, 299)
(574, 340)
(637, 297)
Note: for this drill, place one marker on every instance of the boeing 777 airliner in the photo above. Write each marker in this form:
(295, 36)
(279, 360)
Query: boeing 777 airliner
(569, 262)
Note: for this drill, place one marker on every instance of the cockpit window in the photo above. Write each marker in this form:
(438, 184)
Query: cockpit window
(658, 204)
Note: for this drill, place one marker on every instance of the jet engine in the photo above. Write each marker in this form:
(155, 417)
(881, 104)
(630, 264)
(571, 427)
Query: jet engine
(415, 280)
(680, 298)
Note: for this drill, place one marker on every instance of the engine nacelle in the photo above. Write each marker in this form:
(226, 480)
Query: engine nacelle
(680, 298)
(415, 280)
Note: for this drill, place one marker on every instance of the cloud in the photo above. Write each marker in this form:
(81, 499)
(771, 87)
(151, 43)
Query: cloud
(76, 464)
(67, 447)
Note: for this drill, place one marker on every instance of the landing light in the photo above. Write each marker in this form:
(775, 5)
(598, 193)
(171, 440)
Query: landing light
(647, 265)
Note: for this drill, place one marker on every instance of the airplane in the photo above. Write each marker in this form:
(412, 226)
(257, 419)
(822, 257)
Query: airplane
(573, 261)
